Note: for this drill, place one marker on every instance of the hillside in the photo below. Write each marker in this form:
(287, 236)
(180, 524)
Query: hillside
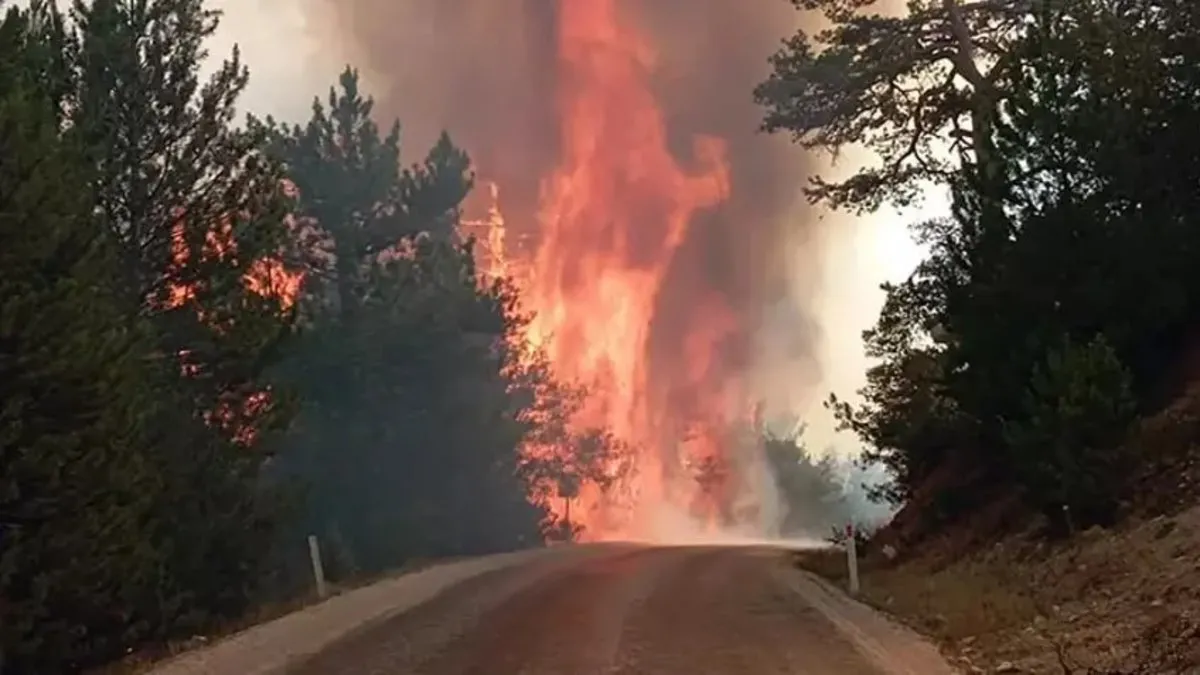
(999, 597)
(1033, 394)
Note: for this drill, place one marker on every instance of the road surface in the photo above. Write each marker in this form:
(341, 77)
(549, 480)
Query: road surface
(632, 611)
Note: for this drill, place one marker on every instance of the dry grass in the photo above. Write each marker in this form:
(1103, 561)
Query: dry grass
(1105, 602)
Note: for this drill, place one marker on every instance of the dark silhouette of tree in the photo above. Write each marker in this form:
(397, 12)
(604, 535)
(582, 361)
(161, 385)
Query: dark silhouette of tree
(136, 408)
(416, 386)
(1066, 229)
(353, 185)
(73, 439)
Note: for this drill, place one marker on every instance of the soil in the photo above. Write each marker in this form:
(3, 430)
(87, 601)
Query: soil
(1119, 601)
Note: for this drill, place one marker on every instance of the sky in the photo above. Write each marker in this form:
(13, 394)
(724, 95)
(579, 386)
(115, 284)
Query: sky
(290, 64)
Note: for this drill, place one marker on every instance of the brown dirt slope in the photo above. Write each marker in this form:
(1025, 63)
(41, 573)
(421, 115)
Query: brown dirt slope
(999, 598)
(1111, 602)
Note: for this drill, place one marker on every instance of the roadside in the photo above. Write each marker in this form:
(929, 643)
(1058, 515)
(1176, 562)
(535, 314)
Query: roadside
(146, 659)
(1107, 602)
(269, 642)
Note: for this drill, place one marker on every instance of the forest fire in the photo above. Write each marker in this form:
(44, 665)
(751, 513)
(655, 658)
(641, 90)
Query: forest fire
(612, 216)
(267, 277)
(651, 231)
(611, 219)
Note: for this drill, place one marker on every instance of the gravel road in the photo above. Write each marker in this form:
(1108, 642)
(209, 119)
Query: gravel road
(632, 611)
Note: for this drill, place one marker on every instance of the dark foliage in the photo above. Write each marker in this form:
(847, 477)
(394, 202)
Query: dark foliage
(161, 383)
(417, 389)
(1058, 294)
(131, 506)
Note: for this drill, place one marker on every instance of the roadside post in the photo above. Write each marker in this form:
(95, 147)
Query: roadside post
(314, 553)
(852, 557)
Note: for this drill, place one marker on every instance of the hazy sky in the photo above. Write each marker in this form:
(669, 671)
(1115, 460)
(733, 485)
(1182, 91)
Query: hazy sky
(289, 66)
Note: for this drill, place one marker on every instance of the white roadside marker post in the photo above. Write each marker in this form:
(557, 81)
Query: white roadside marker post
(852, 557)
(314, 553)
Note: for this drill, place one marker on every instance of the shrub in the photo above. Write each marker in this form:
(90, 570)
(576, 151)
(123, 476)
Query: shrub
(1067, 449)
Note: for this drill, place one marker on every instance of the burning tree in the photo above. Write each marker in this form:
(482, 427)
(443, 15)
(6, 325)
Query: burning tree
(420, 383)
(143, 517)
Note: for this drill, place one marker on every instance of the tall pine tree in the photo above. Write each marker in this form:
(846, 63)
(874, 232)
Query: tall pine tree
(185, 209)
(408, 438)
(351, 182)
(78, 479)
(193, 203)
(195, 209)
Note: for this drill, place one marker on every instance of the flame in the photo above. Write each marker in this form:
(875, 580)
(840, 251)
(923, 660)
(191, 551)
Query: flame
(613, 215)
(514, 89)
(268, 277)
(492, 237)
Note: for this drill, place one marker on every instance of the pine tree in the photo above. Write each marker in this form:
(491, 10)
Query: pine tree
(409, 434)
(193, 203)
(194, 206)
(350, 180)
(188, 207)
(77, 483)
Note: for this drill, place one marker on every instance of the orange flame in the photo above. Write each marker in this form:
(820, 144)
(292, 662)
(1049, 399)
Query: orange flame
(613, 215)
(267, 277)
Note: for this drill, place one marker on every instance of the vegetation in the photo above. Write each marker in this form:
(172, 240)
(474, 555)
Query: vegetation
(1036, 366)
(1057, 299)
(217, 337)
(407, 359)
(811, 489)
(135, 406)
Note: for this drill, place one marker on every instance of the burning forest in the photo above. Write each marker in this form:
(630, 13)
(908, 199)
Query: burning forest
(227, 332)
(651, 232)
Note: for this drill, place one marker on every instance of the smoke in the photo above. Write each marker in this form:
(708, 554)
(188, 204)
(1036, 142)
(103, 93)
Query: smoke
(759, 253)
(482, 70)
(487, 72)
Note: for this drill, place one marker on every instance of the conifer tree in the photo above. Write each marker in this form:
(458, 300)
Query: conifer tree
(351, 182)
(77, 482)
(195, 207)
(186, 208)
(408, 439)
(1058, 298)
(192, 202)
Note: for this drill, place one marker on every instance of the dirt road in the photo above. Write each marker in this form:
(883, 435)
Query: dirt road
(632, 611)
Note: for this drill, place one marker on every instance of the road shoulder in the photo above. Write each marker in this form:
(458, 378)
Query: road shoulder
(272, 647)
(891, 647)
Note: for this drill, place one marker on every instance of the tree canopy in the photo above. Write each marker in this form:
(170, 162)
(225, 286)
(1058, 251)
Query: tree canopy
(218, 337)
(419, 391)
(1056, 296)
